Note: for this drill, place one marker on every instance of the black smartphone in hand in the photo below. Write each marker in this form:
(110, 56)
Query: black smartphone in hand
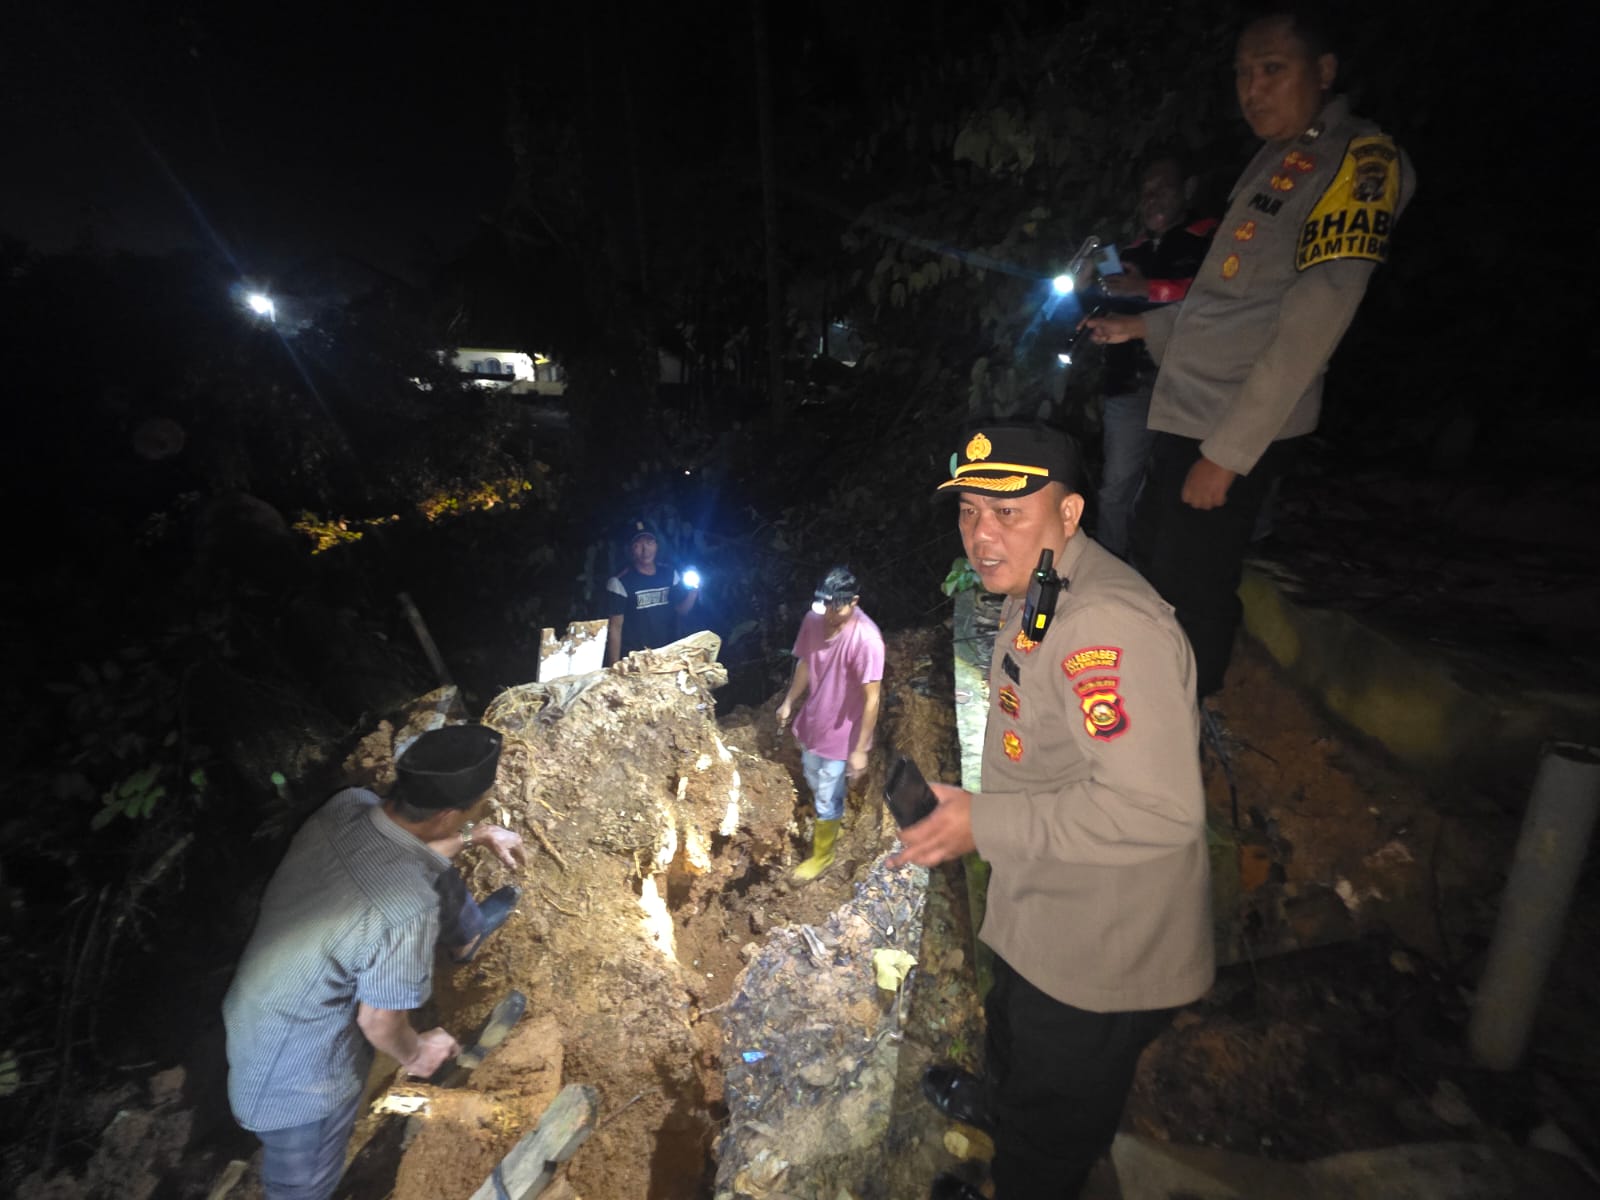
(907, 793)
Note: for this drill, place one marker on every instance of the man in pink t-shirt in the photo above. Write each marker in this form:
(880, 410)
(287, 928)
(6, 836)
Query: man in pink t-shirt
(839, 671)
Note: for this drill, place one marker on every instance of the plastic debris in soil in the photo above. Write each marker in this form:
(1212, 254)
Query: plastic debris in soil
(812, 1045)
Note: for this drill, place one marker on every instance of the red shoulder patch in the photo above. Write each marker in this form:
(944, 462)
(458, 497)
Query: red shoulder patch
(1092, 658)
(1104, 715)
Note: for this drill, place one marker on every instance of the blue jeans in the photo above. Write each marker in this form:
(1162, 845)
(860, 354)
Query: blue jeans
(304, 1162)
(825, 776)
(1126, 446)
(460, 918)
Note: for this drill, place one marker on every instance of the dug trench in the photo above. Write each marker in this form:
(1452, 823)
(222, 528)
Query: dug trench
(661, 842)
(1353, 905)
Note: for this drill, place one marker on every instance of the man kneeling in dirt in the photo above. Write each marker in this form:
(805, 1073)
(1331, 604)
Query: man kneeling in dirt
(1092, 816)
(343, 950)
(839, 671)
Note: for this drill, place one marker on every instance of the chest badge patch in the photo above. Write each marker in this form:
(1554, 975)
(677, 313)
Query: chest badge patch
(1245, 232)
(1230, 266)
(1012, 745)
(1296, 161)
(1010, 702)
(1092, 658)
(1024, 643)
(1104, 716)
(1283, 183)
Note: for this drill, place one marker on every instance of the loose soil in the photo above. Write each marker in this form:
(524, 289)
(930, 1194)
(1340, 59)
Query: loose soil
(1355, 903)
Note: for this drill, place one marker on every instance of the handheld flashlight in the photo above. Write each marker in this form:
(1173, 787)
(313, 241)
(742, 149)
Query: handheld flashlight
(691, 578)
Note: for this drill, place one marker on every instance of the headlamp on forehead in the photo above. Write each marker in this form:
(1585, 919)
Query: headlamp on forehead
(822, 601)
(836, 591)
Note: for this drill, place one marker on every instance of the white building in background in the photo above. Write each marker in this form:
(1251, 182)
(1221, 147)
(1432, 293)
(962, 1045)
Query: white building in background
(510, 370)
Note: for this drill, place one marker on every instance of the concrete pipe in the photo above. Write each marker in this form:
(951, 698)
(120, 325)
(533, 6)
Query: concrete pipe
(1549, 856)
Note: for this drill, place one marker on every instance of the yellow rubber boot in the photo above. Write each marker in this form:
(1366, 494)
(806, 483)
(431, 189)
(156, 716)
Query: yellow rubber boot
(822, 844)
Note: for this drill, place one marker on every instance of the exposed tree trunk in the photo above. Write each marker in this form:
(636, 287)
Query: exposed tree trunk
(769, 215)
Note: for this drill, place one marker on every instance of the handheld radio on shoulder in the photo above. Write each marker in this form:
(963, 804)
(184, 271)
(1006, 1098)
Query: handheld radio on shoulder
(1039, 609)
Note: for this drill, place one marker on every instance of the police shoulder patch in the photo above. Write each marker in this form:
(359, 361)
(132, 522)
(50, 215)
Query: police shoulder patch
(1354, 217)
(1091, 658)
(1104, 715)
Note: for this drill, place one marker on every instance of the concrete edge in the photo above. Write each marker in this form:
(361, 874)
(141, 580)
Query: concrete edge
(1421, 703)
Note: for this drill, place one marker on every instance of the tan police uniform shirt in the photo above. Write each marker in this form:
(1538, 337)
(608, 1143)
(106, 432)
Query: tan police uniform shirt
(1092, 813)
(1243, 357)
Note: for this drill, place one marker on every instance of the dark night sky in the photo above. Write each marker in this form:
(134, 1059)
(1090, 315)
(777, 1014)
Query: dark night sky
(281, 128)
(288, 128)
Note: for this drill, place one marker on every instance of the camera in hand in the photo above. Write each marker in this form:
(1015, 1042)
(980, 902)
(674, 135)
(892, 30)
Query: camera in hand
(907, 793)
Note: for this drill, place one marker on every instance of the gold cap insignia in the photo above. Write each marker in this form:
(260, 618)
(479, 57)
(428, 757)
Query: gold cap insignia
(978, 448)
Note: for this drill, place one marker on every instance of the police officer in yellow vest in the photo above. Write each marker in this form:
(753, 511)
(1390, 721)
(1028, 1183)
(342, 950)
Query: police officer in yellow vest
(1243, 356)
(1092, 816)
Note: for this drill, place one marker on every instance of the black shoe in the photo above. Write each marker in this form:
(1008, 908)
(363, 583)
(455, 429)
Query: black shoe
(953, 1187)
(495, 909)
(959, 1095)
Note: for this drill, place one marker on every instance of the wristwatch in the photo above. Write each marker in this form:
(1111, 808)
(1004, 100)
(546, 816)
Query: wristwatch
(466, 833)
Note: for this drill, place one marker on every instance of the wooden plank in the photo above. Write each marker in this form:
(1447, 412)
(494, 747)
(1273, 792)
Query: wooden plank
(532, 1162)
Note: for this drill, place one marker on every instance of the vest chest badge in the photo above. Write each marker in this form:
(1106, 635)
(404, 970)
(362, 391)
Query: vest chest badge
(1010, 702)
(1023, 643)
(1245, 231)
(1230, 266)
(1012, 745)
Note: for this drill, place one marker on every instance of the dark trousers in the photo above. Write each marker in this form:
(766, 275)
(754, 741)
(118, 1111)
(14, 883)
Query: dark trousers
(1059, 1077)
(1195, 558)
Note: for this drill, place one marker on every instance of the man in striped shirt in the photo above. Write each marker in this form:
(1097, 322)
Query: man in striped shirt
(343, 951)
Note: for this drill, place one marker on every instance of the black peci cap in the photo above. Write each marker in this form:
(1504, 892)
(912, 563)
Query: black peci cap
(449, 767)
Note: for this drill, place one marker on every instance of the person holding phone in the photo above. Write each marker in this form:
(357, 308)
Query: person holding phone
(1092, 817)
(1155, 270)
(838, 673)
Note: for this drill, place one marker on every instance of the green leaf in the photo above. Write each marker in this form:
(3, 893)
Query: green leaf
(138, 782)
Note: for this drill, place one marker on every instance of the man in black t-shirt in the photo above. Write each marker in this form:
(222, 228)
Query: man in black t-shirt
(644, 599)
